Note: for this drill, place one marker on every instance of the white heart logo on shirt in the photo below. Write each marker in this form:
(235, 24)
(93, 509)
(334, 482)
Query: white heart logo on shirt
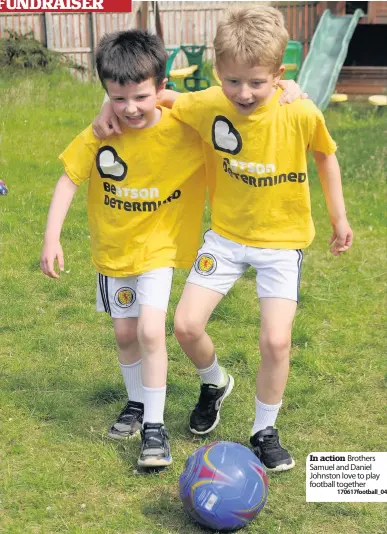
(225, 137)
(110, 165)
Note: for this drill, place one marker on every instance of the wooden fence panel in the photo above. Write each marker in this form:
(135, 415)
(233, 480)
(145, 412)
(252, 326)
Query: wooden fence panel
(195, 23)
(111, 22)
(77, 34)
(191, 23)
(70, 34)
(74, 34)
(301, 20)
(23, 23)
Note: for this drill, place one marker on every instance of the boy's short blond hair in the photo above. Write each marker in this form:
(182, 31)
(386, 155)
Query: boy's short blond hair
(253, 35)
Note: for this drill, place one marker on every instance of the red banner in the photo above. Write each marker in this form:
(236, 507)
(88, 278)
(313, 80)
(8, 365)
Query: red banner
(70, 6)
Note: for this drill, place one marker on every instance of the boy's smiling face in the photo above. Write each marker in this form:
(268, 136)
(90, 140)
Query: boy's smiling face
(135, 103)
(247, 87)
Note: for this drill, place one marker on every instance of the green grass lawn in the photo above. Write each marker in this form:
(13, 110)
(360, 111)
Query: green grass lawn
(60, 383)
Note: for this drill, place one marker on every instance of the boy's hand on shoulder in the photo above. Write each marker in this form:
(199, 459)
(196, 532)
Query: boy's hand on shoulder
(167, 98)
(51, 251)
(342, 237)
(106, 123)
(290, 92)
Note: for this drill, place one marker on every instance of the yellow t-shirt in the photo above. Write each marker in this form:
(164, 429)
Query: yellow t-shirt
(146, 195)
(257, 166)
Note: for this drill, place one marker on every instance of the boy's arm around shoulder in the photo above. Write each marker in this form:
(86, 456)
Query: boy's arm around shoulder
(291, 91)
(190, 108)
(330, 179)
(106, 123)
(168, 97)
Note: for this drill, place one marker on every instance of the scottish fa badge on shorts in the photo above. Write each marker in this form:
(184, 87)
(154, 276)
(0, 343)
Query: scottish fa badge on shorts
(205, 264)
(125, 297)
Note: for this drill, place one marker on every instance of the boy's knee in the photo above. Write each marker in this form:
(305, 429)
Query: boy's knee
(125, 338)
(150, 335)
(276, 345)
(187, 329)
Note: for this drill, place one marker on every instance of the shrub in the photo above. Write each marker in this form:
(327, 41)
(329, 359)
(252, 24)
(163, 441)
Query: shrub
(23, 51)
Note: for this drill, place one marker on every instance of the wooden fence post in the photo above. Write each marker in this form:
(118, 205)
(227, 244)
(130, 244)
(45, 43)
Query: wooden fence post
(144, 16)
(159, 26)
(90, 23)
(43, 29)
(48, 30)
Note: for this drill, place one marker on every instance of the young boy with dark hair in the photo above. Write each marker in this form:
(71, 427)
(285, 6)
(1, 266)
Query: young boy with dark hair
(145, 205)
(260, 212)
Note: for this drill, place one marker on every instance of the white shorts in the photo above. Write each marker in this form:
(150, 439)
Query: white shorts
(221, 262)
(122, 297)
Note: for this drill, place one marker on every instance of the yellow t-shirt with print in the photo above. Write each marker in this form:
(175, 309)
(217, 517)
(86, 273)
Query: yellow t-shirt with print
(146, 195)
(257, 166)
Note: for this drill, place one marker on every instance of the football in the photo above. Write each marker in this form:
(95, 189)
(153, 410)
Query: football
(224, 486)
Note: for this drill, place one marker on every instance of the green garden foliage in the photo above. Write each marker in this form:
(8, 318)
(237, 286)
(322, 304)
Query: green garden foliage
(23, 51)
(60, 383)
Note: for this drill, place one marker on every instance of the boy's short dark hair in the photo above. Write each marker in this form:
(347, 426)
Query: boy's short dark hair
(131, 56)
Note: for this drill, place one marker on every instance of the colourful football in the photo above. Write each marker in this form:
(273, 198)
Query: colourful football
(224, 486)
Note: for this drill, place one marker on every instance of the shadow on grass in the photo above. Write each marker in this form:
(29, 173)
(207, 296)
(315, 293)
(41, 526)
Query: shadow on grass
(105, 394)
(167, 510)
(66, 403)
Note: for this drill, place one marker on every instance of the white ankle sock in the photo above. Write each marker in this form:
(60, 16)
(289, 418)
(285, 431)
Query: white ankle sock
(265, 415)
(133, 381)
(213, 374)
(154, 402)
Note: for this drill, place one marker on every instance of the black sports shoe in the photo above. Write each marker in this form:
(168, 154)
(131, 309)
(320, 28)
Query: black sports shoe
(266, 445)
(155, 449)
(205, 415)
(129, 421)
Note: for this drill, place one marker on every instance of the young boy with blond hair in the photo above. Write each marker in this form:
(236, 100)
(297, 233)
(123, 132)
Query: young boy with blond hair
(145, 205)
(260, 213)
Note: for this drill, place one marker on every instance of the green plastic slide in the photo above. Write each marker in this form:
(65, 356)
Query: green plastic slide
(327, 53)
